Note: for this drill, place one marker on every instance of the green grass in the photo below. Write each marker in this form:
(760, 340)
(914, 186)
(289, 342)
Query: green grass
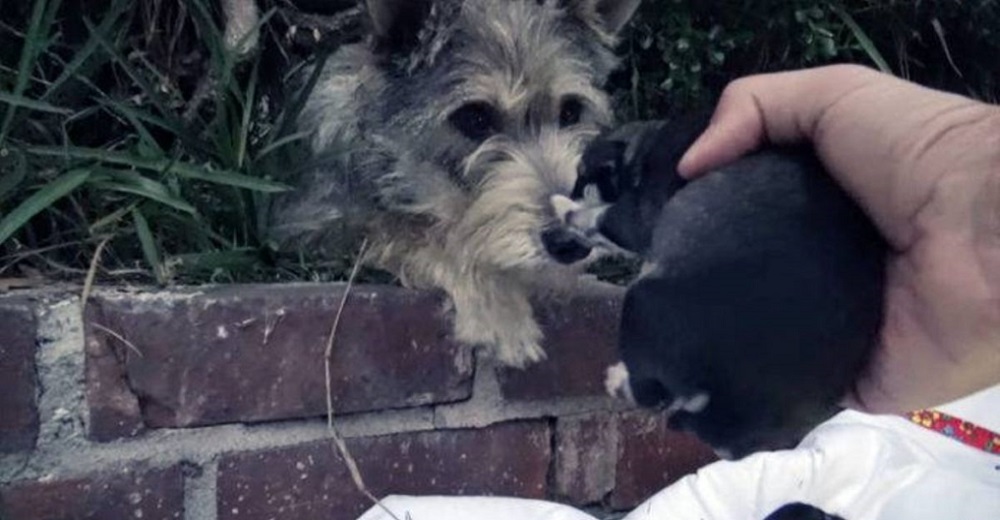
(100, 142)
(129, 125)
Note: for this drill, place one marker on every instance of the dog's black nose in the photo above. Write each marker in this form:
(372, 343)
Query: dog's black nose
(564, 246)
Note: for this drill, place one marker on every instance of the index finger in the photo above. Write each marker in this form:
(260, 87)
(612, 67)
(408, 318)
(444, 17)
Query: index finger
(780, 108)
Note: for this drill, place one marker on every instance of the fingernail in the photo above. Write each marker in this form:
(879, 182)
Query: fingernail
(687, 167)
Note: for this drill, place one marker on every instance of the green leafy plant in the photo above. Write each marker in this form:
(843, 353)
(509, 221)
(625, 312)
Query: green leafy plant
(101, 140)
(682, 53)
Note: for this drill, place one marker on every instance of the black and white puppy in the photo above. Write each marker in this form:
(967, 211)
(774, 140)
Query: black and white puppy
(762, 297)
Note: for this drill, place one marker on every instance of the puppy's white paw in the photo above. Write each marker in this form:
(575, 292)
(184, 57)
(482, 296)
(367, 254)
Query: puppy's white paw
(696, 403)
(616, 382)
(691, 404)
(564, 206)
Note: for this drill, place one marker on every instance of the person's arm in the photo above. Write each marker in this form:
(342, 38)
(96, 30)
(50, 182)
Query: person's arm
(926, 167)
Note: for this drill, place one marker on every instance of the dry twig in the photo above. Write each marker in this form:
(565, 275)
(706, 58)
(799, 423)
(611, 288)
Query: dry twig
(88, 283)
(338, 439)
(117, 336)
(9, 284)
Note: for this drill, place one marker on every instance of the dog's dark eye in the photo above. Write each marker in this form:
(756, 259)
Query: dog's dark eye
(570, 112)
(476, 121)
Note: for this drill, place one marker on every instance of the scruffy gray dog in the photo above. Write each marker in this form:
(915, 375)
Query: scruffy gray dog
(448, 132)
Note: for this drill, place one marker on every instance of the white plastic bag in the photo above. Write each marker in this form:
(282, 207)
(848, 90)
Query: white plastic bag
(472, 508)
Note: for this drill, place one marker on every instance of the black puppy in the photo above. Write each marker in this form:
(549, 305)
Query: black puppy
(800, 511)
(762, 299)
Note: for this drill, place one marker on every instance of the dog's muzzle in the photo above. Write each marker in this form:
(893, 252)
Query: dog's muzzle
(565, 246)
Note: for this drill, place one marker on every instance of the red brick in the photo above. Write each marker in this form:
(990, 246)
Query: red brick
(581, 338)
(19, 426)
(152, 495)
(586, 455)
(114, 408)
(651, 457)
(311, 482)
(255, 353)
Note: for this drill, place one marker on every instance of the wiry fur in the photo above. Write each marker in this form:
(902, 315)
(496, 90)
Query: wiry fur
(440, 209)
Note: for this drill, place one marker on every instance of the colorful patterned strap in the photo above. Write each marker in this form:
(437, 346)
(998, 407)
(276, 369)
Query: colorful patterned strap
(962, 431)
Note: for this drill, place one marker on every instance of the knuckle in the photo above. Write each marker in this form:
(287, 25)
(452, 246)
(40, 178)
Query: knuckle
(848, 70)
(737, 88)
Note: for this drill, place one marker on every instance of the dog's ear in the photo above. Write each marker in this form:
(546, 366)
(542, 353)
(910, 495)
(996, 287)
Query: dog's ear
(608, 17)
(396, 24)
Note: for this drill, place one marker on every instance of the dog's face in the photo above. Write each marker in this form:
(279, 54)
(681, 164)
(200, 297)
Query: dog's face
(447, 133)
(486, 107)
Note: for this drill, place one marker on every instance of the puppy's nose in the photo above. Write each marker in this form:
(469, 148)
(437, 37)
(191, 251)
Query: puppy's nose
(564, 246)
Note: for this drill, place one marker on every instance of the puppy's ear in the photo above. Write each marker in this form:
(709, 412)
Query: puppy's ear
(607, 17)
(397, 23)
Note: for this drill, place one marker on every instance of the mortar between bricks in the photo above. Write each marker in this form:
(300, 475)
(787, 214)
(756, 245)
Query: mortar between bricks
(495, 397)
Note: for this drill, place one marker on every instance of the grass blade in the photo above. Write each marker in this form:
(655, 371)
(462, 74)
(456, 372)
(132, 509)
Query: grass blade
(281, 143)
(15, 101)
(939, 31)
(149, 247)
(243, 139)
(866, 43)
(34, 41)
(9, 181)
(131, 72)
(199, 230)
(138, 117)
(145, 137)
(175, 124)
(135, 184)
(186, 170)
(40, 201)
(290, 115)
(80, 58)
(238, 260)
(112, 218)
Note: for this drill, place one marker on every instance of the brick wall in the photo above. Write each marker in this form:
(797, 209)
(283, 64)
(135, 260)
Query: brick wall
(210, 404)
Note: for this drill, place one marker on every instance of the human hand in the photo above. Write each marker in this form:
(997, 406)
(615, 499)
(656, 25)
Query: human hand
(925, 165)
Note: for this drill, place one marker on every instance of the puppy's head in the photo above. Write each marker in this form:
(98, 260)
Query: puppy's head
(625, 177)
